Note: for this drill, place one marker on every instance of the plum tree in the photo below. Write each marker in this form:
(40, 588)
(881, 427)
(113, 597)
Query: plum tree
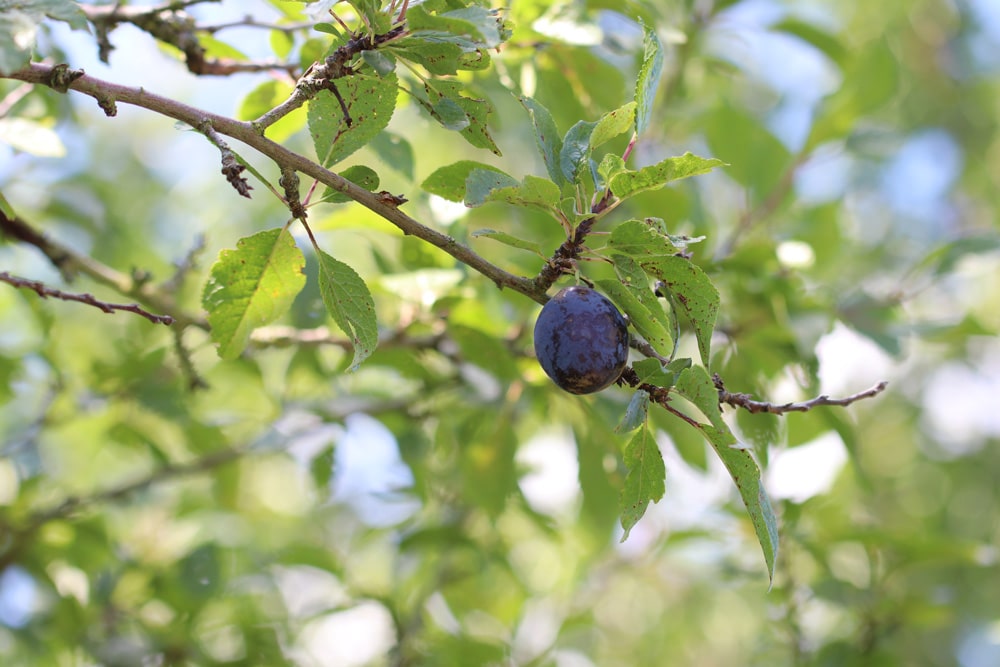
(581, 340)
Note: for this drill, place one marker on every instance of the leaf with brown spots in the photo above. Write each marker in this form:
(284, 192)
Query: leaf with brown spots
(370, 101)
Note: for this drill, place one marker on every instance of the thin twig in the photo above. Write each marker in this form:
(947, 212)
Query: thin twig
(195, 381)
(69, 262)
(45, 292)
(170, 24)
(251, 22)
(185, 266)
(746, 402)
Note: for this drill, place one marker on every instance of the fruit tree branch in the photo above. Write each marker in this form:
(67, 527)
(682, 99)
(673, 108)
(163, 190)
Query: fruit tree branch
(246, 133)
(44, 291)
(744, 401)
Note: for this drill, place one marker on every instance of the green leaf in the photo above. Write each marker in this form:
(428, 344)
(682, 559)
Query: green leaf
(644, 311)
(60, 10)
(467, 115)
(395, 152)
(215, 48)
(321, 469)
(814, 36)
(251, 286)
(635, 413)
(357, 174)
(262, 99)
(599, 506)
(329, 29)
(485, 350)
(265, 97)
(19, 22)
(547, 138)
(508, 239)
(695, 385)
(758, 159)
(281, 43)
(370, 11)
(625, 183)
(370, 102)
(645, 480)
(648, 79)
(692, 293)
(612, 124)
(575, 154)
(383, 63)
(641, 240)
(200, 572)
(943, 259)
(478, 24)
(488, 470)
(480, 183)
(610, 166)
(448, 113)
(448, 182)
(871, 79)
(532, 192)
(653, 372)
(350, 304)
(439, 57)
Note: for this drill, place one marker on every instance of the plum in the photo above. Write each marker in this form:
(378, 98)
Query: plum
(581, 340)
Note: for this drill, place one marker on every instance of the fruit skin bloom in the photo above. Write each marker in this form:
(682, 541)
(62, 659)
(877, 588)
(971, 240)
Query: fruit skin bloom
(581, 340)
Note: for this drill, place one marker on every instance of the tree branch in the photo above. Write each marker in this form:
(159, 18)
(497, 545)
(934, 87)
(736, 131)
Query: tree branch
(69, 262)
(170, 24)
(44, 291)
(746, 402)
(283, 157)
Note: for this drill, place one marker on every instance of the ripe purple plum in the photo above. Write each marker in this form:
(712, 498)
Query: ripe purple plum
(581, 340)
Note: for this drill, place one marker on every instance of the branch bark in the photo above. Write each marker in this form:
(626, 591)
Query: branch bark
(245, 132)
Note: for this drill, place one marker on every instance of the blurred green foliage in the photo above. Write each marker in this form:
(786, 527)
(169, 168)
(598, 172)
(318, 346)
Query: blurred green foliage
(446, 504)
